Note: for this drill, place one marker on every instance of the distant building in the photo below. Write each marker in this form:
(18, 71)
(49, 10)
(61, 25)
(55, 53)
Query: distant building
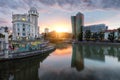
(107, 32)
(77, 24)
(46, 30)
(95, 28)
(25, 26)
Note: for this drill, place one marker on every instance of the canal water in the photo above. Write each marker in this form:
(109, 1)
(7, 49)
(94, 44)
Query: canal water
(74, 62)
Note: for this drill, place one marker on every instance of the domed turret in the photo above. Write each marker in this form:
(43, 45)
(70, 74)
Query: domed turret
(33, 11)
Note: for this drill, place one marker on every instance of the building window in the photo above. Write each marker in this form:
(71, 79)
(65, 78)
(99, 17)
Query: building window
(18, 24)
(18, 34)
(18, 29)
(23, 25)
(29, 19)
(23, 34)
(13, 25)
(13, 28)
(23, 29)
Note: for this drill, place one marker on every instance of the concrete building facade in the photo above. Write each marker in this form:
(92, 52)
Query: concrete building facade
(107, 32)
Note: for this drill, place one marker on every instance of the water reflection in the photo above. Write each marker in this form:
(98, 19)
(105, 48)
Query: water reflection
(94, 53)
(77, 57)
(25, 69)
(96, 62)
(76, 62)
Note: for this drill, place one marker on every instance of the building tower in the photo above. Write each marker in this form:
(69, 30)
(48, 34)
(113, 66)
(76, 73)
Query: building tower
(33, 14)
(77, 25)
(73, 20)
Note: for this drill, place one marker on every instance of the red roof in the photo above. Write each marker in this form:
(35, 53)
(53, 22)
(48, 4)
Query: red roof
(114, 30)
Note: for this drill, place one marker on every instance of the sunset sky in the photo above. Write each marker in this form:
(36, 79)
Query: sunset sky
(55, 14)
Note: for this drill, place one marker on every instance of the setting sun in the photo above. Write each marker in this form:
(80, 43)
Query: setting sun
(61, 29)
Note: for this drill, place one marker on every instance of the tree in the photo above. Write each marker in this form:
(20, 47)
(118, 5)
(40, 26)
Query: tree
(111, 36)
(73, 37)
(10, 36)
(6, 29)
(118, 33)
(101, 35)
(2, 36)
(45, 36)
(80, 36)
(87, 35)
(95, 36)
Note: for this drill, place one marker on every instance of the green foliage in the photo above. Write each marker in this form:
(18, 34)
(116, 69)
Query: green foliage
(10, 36)
(45, 36)
(94, 36)
(2, 36)
(111, 36)
(118, 33)
(87, 35)
(101, 35)
(6, 29)
(80, 36)
(118, 30)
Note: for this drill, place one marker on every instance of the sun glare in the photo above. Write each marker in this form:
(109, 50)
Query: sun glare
(61, 30)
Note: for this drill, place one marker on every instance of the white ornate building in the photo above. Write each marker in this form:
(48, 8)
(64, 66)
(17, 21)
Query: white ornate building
(25, 26)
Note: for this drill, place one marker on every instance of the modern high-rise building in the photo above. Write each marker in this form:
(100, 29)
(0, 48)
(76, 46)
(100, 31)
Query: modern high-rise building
(73, 20)
(77, 25)
(25, 26)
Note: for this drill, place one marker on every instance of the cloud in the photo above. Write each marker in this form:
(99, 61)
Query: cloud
(64, 4)
(3, 20)
(14, 4)
(83, 4)
(54, 8)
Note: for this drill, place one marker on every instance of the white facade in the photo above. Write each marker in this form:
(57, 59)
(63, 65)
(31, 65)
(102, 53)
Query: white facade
(25, 26)
(107, 32)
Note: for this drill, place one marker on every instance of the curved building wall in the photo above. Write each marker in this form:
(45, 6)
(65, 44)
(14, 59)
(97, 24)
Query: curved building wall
(25, 26)
(77, 24)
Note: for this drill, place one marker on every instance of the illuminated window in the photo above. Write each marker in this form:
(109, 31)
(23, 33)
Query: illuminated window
(23, 19)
